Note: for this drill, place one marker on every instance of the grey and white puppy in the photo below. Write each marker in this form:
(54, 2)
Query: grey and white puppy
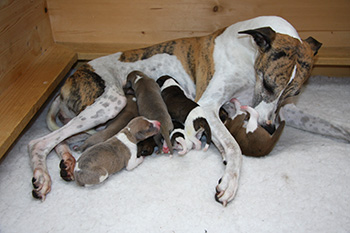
(105, 158)
(151, 105)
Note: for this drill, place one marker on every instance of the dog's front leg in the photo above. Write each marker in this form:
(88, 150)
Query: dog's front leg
(67, 163)
(104, 108)
(231, 154)
(299, 119)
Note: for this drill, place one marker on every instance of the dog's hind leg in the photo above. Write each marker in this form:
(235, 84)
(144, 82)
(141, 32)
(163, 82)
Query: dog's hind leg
(105, 107)
(299, 119)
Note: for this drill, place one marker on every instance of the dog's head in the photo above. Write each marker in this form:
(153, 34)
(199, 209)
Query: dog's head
(284, 63)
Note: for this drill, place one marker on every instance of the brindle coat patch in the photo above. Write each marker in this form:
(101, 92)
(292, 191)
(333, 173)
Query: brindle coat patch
(81, 89)
(277, 64)
(200, 70)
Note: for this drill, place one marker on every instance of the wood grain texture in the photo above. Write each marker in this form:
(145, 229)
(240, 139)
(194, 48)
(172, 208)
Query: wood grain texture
(31, 64)
(25, 33)
(95, 28)
(153, 21)
(25, 95)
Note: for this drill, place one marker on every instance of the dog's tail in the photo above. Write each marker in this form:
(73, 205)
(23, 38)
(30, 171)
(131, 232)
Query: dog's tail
(201, 125)
(52, 113)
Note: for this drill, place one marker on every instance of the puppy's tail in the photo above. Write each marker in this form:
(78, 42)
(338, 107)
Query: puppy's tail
(52, 113)
(201, 124)
(166, 137)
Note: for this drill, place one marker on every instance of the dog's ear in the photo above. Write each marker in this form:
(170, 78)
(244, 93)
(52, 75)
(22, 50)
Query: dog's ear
(263, 37)
(314, 44)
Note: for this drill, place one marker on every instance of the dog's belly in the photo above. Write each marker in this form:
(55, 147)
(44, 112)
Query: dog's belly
(113, 71)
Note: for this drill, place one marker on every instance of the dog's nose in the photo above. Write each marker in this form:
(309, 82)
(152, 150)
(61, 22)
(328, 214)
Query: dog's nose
(270, 128)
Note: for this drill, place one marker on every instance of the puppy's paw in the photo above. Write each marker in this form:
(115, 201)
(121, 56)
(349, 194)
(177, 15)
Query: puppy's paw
(84, 146)
(227, 188)
(67, 168)
(42, 184)
(197, 144)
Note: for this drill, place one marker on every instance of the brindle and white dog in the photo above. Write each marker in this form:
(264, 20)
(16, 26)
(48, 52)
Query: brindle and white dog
(261, 62)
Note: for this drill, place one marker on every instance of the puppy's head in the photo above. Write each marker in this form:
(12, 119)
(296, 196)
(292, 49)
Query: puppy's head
(146, 147)
(132, 79)
(143, 128)
(166, 81)
(284, 63)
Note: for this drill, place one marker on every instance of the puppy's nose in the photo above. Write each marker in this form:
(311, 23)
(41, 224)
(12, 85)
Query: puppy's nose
(156, 124)
(269, 127)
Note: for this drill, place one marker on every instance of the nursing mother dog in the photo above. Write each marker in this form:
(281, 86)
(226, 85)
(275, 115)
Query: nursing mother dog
(261, 62)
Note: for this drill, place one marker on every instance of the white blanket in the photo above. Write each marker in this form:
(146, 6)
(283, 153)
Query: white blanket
(302, 186)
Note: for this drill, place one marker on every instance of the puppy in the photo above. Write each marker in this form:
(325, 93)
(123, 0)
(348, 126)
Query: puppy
(114, 126)
(146, 147)
(185, 111)
(177, 138)
(253, 139)
(98, 162)
(151, 105)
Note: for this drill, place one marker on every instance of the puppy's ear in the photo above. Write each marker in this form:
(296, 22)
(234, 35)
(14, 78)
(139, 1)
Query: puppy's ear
(314, 44)
(128, 91)
(160, 81)
(139, 136)
(263, 37)
(128, 85)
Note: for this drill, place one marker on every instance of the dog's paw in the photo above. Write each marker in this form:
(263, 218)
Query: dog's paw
(67, 168)
(226, 188)
(42, 184)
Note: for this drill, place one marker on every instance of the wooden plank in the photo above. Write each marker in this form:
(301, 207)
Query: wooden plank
(333, 56)
(149, 22)
(25, 33)
(23, 98)
(331, 71)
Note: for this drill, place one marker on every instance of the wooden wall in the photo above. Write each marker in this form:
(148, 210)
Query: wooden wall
(25, 33)
(31, 64)
(95, 27)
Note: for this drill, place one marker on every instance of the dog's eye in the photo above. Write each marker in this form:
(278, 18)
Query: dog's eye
(297, 93)
(268, 87)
